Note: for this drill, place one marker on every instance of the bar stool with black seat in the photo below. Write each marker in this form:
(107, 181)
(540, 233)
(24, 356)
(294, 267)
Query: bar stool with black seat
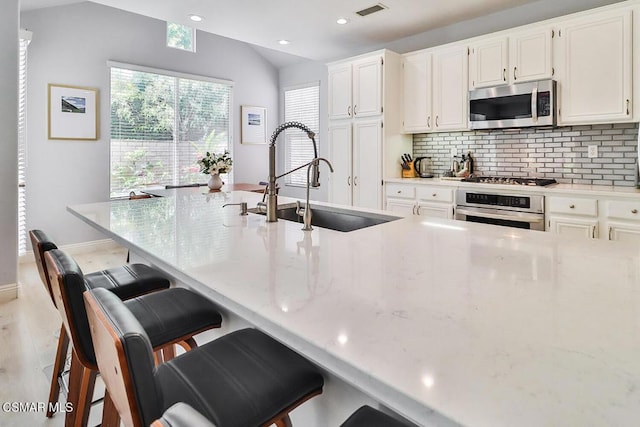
(171, 316)
(127, 281)
(242, 379)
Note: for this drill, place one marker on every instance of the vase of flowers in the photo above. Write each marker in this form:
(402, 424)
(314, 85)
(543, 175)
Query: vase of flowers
(214, 164)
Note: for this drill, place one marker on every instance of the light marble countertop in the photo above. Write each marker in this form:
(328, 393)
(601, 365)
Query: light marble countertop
(445, 321)
(573, 189)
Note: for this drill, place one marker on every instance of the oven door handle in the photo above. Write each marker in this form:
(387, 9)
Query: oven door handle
(494, 214)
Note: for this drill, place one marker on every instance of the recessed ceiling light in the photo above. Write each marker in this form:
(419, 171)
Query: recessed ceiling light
(196, 18)
(342, 21)
(283, 42)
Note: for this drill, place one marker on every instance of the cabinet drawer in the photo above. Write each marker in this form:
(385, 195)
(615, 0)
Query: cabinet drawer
(401, 191)
(623, 209)
(572, 205)
(435, 194)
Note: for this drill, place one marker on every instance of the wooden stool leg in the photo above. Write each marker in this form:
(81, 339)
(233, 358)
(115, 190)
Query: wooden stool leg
(284, 422)
(81, 384)
(58, 369)
(169, 352)
(110, 415)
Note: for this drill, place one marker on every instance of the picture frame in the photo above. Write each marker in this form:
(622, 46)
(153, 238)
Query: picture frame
(254, 125)
(72, 112)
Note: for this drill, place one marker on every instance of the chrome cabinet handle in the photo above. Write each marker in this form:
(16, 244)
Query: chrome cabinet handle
(355, 181)
(354, 109)
(627, 107)
(504, 74)
(434, 195)
(634, 211)
(349, 181)
(572, 206)
(437, 121)
(514, 73)
(399, 191)
(593, 231)
(610, 230)
(429, 121)
(418, 210)
(413, 210)
(349, 111)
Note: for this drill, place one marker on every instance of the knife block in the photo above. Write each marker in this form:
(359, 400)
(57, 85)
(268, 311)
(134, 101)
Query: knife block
(409, 173)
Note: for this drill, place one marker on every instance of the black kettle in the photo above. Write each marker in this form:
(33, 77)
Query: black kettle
(422, 166)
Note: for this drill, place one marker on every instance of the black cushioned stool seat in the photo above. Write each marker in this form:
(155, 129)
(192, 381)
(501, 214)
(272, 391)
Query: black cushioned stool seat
(244, 378)
(127, 281)
(366, 416)
(170, 316)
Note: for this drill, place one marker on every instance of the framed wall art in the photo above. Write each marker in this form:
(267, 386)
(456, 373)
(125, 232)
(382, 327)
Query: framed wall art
(254, 125)
(73, 112)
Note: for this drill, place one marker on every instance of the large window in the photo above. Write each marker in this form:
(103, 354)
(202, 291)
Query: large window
(301, 104)
(162, 124)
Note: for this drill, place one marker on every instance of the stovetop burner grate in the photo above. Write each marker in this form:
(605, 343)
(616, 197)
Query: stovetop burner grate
(507, 180)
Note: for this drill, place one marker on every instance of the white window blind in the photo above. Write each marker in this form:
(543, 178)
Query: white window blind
(161, 125)
(25, 38)
(301, 104)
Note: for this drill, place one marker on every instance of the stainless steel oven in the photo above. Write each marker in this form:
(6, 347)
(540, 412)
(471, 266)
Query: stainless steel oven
(501, 208)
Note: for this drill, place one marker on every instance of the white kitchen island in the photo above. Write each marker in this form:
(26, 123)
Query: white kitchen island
(445, 322)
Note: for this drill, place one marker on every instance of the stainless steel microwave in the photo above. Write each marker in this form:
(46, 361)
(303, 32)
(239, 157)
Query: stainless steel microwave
(518, 105)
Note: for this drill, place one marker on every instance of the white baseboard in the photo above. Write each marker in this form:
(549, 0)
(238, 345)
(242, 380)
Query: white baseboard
(8, 292)
(77, 249)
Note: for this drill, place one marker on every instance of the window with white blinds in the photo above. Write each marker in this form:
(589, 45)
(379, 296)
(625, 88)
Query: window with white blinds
(161, 124)
(301, 104)
(25, 38)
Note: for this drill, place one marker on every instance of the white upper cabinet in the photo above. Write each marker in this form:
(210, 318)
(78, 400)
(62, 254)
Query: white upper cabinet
(519, 57)
(450, 90)
(596, 74)
(355, 88)
(367, 87)
(489, 63)
(530, 55)
(416, 90)
(340, 91)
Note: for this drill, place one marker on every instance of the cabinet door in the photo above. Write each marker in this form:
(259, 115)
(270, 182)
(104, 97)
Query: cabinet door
(488, 63)
(367, 164)
(340, 91)
(416, 89)
(595, 84)
(401, 207)
(367, 87)
(530, 55)
(435, 210)
(450, 97)
(575, 227)
(626, 232)
(340, 181)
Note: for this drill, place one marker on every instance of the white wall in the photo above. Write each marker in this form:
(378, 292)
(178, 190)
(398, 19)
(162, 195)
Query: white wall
(71, 45)
(9, 25)
(306, 72)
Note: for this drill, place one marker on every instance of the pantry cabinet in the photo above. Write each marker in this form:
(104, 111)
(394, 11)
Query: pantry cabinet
(365, 136)
(517, 57)
(595, 77)
(435, 90)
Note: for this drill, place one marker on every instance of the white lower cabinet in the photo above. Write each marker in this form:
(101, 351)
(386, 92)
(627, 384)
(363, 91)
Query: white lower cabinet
(423, 200)
(593, 217)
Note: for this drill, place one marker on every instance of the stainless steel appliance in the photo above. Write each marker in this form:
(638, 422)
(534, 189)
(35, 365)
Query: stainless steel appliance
(517, 105)
(508, 208)
(422, 166)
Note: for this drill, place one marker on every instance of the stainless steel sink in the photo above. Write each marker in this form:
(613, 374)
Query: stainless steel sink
(332, 218)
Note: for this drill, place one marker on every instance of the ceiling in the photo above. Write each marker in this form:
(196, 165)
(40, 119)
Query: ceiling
(310, 25)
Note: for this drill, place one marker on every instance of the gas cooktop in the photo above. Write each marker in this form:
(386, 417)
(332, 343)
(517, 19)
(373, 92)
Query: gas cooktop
(508, 180)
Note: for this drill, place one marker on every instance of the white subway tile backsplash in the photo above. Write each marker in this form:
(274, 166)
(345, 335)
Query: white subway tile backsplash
(559, 153)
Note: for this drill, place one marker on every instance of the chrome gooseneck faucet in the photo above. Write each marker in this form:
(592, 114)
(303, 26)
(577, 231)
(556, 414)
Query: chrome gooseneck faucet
(272, 197)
